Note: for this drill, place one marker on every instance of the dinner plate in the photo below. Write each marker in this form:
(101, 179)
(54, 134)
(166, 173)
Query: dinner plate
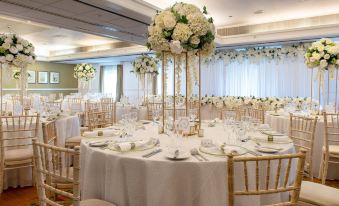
(218, 152)
(182, 155)
(98, 144)
(267, 149)
(152, 143)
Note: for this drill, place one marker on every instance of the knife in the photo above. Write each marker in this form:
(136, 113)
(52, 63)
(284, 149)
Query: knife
(152, 153)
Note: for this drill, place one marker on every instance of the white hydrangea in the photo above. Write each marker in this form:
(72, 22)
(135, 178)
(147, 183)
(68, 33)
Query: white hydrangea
(181, 32)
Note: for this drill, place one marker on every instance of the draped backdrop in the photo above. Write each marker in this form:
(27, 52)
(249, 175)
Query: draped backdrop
(282, 78)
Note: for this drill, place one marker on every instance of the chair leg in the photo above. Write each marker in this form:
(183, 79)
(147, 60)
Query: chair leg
(321, 169)
(1, 180)
(326, 159)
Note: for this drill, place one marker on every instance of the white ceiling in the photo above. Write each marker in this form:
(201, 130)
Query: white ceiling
(47, 38)
(242, 11)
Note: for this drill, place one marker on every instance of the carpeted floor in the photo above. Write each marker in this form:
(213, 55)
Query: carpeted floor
(27, 196)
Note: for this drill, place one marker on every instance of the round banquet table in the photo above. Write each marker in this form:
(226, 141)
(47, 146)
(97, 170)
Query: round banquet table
(280, 123)
(129, 179)
(66, 126)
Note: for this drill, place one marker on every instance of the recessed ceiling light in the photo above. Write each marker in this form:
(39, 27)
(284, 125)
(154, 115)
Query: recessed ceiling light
(230, 16)
(58, 36)
(258, 11)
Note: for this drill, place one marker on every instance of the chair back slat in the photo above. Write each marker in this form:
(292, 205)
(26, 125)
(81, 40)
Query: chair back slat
(276, 185)
(48, 160)
(258, 114)
(49, 132)
(97, 120)
(109, 106)
(302, 132)
(152, 106)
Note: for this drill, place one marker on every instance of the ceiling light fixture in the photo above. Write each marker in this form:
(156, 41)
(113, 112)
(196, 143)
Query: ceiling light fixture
(230, 16)
(258, 11)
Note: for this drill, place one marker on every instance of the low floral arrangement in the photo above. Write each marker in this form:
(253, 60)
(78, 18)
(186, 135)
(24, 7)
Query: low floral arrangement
(16, 51)
(145, 65)
(182, 27)
(236, 101)
(323, 54)
(84, 72)
(17, 75)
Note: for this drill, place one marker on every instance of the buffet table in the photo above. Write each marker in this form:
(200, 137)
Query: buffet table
(280, 122)
(66, 126)
(127, 178)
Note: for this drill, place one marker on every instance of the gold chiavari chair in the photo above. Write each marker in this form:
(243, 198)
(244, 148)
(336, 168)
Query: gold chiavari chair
(95, 120)
(330, 151)
(264, 186)
(302, 131)
(258, 114)
(16, 133)
(152, 106)
(51, 97)
(108, 105)
(61, 96)
(54, 105)
(49, 133)
(48, 167)
(74, 104)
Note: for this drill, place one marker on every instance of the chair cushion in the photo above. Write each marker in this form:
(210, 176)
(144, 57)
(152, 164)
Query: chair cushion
(95, 202)
(319, 194)
(76, 139)
(18, 156)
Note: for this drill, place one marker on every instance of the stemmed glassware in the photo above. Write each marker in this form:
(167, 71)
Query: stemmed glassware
(155, 115)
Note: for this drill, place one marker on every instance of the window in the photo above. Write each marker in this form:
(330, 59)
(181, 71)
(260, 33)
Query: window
(109, 80)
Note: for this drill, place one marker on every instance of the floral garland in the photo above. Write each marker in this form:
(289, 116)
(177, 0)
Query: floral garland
(145, 65)
(17, 75)
(323, 54)
(236, 101)
(15, 51)
(254, 54)
(182, 27)
(84, 72)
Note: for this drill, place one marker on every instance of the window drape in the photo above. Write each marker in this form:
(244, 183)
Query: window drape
(109, 80)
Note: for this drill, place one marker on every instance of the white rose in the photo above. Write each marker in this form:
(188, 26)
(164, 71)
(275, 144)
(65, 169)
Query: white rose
(80, 68)
(9, 57)
(312, 59)
(327, 56)
(19, 47)
(320, 47)
(26, 51)
(316, 55)
(323, 63)
(8, 40)
(13, 50)
(195, 40)
(25, 43)
(169, 21)
(87, 67)
(6, 45)
(176, 47)
(337, 62)
(2, 59)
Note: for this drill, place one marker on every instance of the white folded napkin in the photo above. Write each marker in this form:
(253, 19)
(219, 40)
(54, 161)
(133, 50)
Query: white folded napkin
(127, 146)
(227, 149)
(104, 133)
(259, 136)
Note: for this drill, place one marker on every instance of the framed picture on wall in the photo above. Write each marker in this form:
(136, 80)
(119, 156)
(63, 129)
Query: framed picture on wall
(54, 77)
(31, 79)
(43, 77)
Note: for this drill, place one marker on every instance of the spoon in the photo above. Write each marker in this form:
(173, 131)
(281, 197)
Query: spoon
(195, 154)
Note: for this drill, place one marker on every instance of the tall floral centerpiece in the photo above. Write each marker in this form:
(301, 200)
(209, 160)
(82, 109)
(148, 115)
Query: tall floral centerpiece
(17, 53)
(84, 73)
(146, 68)
(16, 76)
(182, 34)
(324, 55)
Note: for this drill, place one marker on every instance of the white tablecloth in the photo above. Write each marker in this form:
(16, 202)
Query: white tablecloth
(67, 126)
(128, 179)
(281, 124)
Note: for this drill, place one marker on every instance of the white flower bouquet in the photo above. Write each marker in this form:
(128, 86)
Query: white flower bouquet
(323, 54)
(84, 72)
(15, 51)
(17, 75)
(182, 27)
(145, 64)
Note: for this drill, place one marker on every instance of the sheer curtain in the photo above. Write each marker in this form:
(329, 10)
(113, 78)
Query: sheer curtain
(109, 80)
(262, 79)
